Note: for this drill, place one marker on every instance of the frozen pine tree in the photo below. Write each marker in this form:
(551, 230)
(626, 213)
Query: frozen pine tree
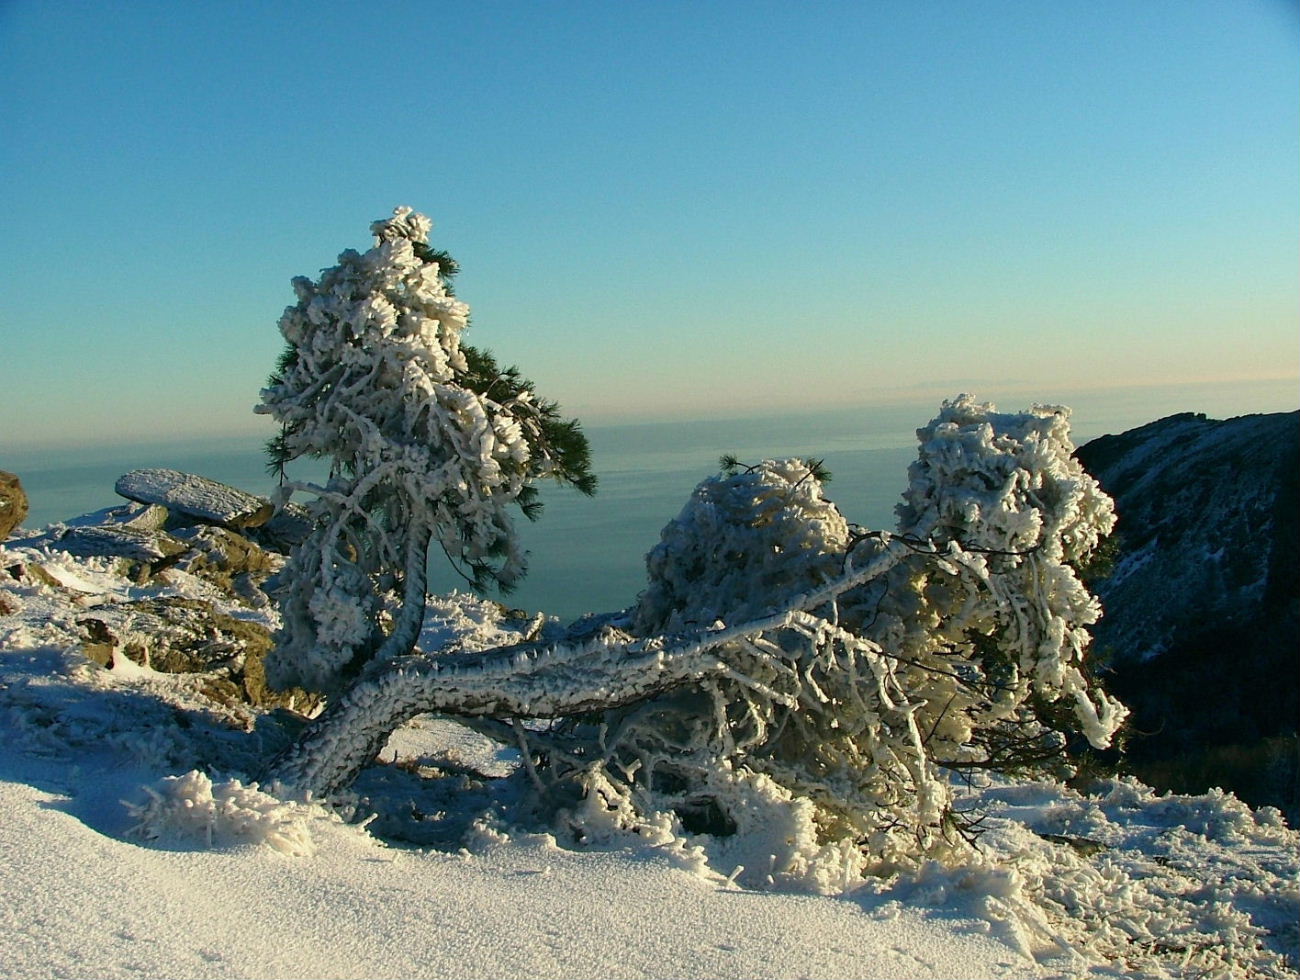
(428, 441)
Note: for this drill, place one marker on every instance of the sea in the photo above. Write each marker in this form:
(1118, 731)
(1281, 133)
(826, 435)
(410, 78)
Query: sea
(587, 554)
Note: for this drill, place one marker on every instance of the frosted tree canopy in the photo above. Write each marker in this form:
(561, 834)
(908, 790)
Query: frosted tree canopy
(428, 440)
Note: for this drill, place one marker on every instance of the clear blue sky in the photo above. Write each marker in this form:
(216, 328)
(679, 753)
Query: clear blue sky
(661, 209)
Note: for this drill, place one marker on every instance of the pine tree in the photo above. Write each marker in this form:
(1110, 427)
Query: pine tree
(428, 440)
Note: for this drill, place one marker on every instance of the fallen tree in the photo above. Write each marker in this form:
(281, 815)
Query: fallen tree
(785, 674)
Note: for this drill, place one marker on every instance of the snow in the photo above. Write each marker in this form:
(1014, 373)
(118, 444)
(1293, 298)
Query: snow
(88, 903)
(134, 843)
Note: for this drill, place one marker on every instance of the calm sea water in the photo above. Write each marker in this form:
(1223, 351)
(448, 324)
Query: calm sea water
(587, 554)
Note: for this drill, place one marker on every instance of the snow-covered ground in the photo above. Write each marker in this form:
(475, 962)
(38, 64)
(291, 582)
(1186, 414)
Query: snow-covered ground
(133, 845)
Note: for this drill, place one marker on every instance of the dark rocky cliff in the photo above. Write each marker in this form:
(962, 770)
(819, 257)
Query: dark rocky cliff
(1202, 603)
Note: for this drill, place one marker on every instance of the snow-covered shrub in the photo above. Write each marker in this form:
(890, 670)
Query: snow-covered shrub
(991, 617)
(741, 544)
(427, 438)
(193, 809)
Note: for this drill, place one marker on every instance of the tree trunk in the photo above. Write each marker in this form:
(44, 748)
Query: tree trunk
(521, 681)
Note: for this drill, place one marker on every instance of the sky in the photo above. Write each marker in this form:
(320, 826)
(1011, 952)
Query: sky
(661, 210)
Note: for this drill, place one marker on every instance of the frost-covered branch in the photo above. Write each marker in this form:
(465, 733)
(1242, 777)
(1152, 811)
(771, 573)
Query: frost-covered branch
(525, 681)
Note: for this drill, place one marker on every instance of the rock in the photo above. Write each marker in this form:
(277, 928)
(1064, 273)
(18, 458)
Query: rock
(286, 529)
(1202, 602)
(119, 541)
(131, 532)
(13, 503)
(174, 636)
(195, 496)
(99, 644)
(29, 573)
(190, 636)
(143, 517)
(1207, 526)
(230, 561)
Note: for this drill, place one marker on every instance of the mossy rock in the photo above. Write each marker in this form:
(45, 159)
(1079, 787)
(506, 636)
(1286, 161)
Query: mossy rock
(13, 503)
(230, 561)
(191, 636)
(32, 573)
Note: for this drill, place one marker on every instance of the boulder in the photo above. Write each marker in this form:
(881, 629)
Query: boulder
(13, 503)
(235, 564)
(196, 497)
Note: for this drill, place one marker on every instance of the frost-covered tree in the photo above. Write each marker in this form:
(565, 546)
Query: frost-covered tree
(790, 681)
(967, 651)
(428, 440)
(1006, 492)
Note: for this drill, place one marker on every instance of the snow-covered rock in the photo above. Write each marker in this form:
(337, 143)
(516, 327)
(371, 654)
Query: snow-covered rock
(195, 496)
(1201, 611)
(13, 503)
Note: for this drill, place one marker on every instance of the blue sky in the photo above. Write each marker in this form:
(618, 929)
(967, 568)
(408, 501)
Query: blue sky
(661, 209)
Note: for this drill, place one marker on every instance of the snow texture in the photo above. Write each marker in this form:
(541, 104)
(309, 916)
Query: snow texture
(195, 496)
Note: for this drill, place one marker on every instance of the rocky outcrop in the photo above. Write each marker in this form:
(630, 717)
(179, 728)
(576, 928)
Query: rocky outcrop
(13, 503)
(1202, 602)
(177, 525)
(120, 541)
(209, 529)
(134, 534)
(189, 636)
(229, 560)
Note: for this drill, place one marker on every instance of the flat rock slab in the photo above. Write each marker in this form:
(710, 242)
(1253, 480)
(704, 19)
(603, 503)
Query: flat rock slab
(119, 541)
(195, 496)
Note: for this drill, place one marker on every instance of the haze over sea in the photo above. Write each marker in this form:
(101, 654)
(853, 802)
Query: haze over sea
(587, 554)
